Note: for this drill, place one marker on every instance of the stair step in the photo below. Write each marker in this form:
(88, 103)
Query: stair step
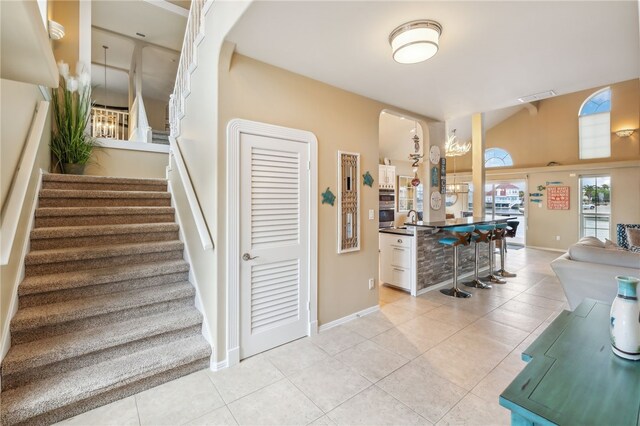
(77, 236)
(54, 288)
(59, 181)
(46, 357)
(75, 216)
(64, 395)
(37, 322)
(81, 198)
(39, 262)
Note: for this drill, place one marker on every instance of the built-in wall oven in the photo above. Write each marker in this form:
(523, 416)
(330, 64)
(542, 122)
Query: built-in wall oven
(387, 208)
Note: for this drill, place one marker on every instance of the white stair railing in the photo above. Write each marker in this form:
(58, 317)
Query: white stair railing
(109, 123)
(193, 35)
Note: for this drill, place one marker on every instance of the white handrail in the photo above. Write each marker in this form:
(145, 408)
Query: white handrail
(196, 211)
(18, 191)
(193, 35)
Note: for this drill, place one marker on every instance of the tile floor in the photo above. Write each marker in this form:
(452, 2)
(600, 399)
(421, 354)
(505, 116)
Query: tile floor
(425, 360)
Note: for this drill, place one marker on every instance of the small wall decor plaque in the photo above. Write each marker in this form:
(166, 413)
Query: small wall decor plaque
(328, 197)
(443, 175)
(558, 197)
(434, 177)
(541, 188)
(367, 179)
(348, 201)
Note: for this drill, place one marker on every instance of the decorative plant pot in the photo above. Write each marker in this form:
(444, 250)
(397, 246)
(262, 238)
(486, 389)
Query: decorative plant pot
(73, 168)
(625, 319)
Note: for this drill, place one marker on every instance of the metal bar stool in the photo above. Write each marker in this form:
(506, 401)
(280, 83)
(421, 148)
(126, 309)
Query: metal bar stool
(461, 237)
(492, 277)
(501, 232)
(482, 234)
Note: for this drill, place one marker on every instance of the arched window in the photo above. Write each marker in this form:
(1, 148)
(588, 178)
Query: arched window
(497, 157)
(594, 124)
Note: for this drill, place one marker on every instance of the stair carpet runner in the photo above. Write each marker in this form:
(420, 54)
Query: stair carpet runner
(105, 309)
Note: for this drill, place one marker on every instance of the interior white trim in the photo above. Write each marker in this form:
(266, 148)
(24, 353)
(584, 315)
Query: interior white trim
(133, 146)
(169, 7)
(351, 317)
(20, 186)
(5, 344)
(206, 333)
(235, 128)
(198, 217)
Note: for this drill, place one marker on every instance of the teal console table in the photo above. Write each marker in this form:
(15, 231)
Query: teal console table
(572, 376)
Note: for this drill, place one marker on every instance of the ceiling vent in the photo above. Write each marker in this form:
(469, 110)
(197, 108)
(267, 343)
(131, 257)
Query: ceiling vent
(537, 96)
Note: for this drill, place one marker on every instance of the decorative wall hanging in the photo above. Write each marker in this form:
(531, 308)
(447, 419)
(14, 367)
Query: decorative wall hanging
(536, 194)
(436, 200)
(434, 177)
(416, 157)
(535, 200)
(367, 179)
(541, 188)
(328, 197)
(554, 183)
(348, 202)
(558, 197)
(443, 175)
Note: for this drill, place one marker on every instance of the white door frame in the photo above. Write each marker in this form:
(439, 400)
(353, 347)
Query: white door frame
(235, 128)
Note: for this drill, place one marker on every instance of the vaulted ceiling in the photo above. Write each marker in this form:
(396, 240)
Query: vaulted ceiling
(491, 53)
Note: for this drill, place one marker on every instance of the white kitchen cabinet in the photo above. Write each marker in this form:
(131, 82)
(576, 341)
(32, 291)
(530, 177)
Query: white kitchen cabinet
(386, 177)
(397, 261)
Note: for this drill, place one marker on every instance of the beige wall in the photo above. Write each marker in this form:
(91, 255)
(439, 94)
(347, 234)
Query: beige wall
(127, 163)
(545, 225)
(67, 13)
(552, 134)
(340, 120)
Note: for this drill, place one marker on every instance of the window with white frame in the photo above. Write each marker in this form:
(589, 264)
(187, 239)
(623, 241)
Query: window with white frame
(594, 124)
(497, 157)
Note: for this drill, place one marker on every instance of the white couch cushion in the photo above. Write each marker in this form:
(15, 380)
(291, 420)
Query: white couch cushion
(590, 253)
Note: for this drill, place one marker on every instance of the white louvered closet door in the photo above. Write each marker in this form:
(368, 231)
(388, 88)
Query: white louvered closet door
(274, 242)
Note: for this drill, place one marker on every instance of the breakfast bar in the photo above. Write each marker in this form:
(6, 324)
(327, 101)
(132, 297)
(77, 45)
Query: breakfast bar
(414, 260)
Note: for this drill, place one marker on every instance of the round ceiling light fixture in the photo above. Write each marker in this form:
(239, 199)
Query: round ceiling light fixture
(415, 41)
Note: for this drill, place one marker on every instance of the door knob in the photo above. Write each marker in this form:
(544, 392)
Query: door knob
(247, 256)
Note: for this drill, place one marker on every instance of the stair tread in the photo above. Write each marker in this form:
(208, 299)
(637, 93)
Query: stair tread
(53, 349)
(67, 280)
(102, 211)
(94, 193)
(60, 390)
(55, 177)
(55, 313)
(99, 230)
(38, 257)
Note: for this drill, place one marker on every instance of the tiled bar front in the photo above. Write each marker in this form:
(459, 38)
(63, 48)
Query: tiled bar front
(434, 261)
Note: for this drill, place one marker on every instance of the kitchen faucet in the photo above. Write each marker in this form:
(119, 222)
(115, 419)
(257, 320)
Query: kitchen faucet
(415, 216)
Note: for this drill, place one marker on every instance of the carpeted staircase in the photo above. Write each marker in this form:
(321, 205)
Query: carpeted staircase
(105, 308)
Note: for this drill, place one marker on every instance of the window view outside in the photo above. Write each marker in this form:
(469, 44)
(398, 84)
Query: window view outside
(505, 199)
(595, 211)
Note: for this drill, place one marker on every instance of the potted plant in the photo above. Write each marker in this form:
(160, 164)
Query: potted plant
(71, 143)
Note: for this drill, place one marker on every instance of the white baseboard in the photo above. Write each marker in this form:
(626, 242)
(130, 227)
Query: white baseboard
(547, 249)
(217, 366)
(327, 326)
(13, 304)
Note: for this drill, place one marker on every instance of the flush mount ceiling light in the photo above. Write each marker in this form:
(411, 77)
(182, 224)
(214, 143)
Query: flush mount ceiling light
(415, 41)
(625, 133)
(56, 30)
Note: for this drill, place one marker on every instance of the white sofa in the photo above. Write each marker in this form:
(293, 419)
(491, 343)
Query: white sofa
(589, 268)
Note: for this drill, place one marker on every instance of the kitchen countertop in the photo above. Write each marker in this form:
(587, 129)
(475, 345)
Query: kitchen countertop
(458, 222)
(397, 231)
